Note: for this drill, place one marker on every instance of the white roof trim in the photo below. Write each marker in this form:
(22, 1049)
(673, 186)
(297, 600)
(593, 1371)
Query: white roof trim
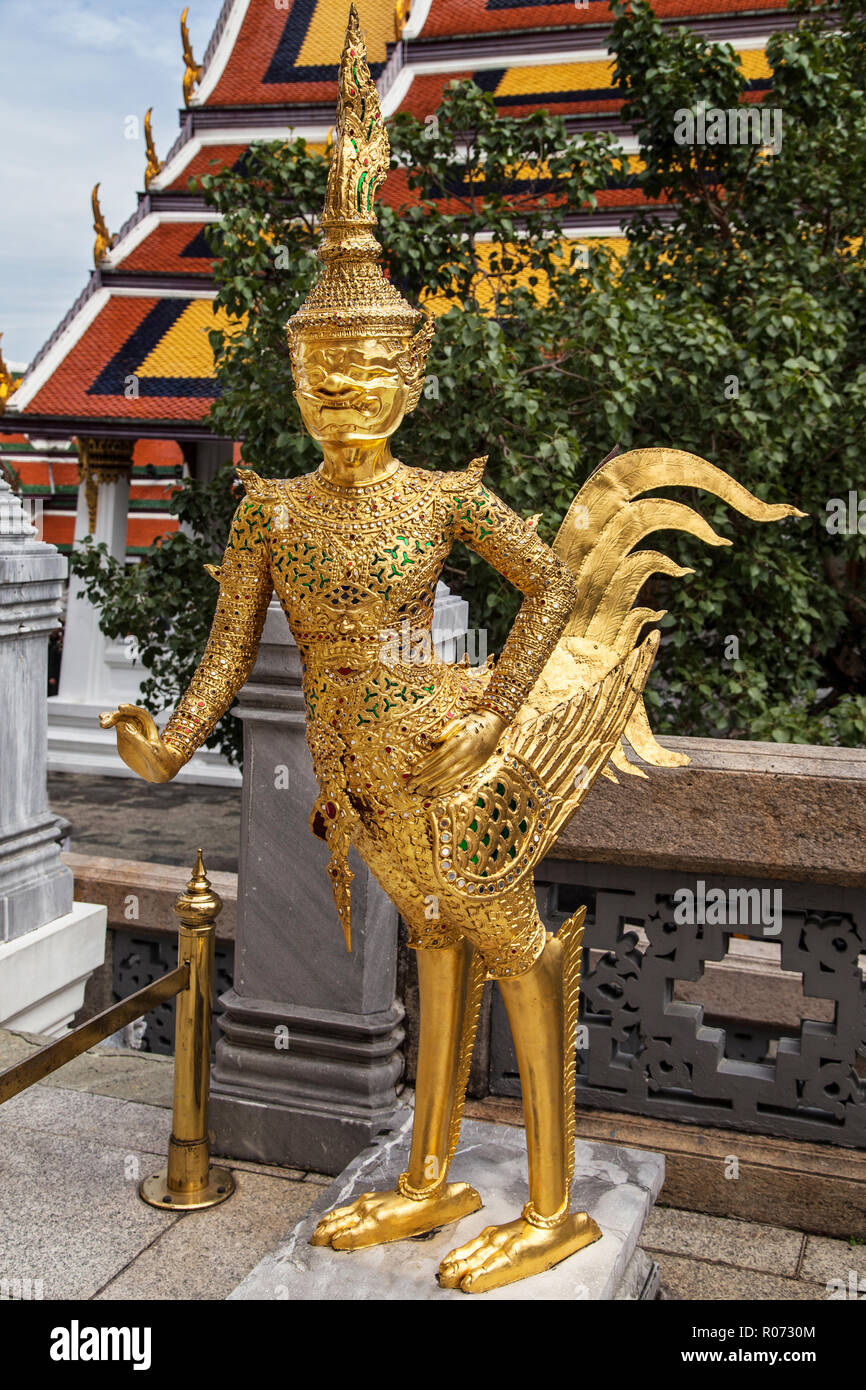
(570, 233)
(217, 65)
(141, 292)
(397, 90)
(142, 230)
(245, 135)
(414, 25)
(36, 379)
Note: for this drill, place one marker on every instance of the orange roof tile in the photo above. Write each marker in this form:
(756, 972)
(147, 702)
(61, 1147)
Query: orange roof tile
(285, 56)
(459, 18)
(178, 248)
(154, 341)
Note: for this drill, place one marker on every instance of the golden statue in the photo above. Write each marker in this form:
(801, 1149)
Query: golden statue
(154, 163)
(451, 781)
(104, 239)
(192, 70)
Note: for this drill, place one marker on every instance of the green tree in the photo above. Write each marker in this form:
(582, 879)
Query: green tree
(731, 328)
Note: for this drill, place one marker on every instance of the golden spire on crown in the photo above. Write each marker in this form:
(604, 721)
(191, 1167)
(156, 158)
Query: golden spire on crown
(352, 296)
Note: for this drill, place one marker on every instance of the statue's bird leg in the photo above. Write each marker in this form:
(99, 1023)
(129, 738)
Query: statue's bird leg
(542, 1011)
(450, 980)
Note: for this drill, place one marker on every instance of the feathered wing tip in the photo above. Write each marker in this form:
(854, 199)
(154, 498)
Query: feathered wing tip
(606, 520)
(569, 745)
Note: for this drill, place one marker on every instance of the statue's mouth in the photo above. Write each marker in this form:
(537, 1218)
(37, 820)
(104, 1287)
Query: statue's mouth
(364, 403)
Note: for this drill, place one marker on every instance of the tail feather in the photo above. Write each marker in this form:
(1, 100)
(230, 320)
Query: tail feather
(604, 523)
(625, 530)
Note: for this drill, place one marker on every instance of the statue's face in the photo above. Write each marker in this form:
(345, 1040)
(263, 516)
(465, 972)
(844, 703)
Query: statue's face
(350, 390)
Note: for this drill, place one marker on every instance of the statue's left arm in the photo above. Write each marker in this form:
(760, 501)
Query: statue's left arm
(483, 522)
(245, 591)
(514, 548)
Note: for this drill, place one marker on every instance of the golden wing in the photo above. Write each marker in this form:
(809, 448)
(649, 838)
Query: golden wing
(606, 520)
(492, 832)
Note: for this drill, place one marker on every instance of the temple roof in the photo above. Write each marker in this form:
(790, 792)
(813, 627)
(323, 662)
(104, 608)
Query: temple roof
(132, 355)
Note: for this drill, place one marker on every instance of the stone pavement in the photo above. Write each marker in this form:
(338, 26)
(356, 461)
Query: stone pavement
(125, 818)
(73, 1148)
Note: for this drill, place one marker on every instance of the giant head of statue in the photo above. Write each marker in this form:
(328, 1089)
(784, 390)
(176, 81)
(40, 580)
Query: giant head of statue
(358, 353)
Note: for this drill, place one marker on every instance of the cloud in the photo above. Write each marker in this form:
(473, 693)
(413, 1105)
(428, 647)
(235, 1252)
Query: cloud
(97, 27)
(72, 71)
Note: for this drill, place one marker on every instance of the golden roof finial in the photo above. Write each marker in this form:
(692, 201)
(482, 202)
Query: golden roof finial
(401, 14)
(7, 382)
(154, 163)
(104, 240)
(193, 71)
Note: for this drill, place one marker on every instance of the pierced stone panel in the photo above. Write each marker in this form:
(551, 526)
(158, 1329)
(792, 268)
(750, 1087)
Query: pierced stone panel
(645, 1051)
(141, 958)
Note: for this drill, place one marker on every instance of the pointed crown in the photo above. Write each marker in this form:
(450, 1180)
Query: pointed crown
(352, 295)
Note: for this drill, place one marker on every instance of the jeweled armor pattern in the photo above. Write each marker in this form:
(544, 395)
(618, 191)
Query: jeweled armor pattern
(355, 571)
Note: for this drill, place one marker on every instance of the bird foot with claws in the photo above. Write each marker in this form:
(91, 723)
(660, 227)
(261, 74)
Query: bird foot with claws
(375, 1218)
(503, 1254)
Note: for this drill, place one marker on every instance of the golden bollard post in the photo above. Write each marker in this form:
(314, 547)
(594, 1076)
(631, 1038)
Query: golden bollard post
(188, 1181)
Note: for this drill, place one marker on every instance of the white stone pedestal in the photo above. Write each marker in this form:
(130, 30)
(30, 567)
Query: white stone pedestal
(48, 943)
(616, 1186)
(43, 973)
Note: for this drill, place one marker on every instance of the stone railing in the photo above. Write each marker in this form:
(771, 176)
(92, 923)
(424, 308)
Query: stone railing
(724, 981)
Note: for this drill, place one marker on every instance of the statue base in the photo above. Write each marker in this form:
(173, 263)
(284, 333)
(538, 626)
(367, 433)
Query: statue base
(616, 1186)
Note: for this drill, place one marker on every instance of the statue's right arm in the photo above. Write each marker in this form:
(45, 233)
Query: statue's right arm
(245, 591)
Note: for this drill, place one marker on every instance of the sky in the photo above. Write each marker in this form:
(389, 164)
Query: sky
(71, 72)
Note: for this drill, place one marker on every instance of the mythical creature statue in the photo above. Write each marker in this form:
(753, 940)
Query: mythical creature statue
(452, 781)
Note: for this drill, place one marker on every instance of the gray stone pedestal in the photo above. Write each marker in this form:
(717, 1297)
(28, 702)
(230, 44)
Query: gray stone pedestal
(616, 1186)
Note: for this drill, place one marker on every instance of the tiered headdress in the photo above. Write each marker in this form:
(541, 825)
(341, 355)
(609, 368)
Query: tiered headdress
(352, 296)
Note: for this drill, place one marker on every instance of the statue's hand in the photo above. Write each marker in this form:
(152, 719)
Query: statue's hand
(460, 750)
(140, 745)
